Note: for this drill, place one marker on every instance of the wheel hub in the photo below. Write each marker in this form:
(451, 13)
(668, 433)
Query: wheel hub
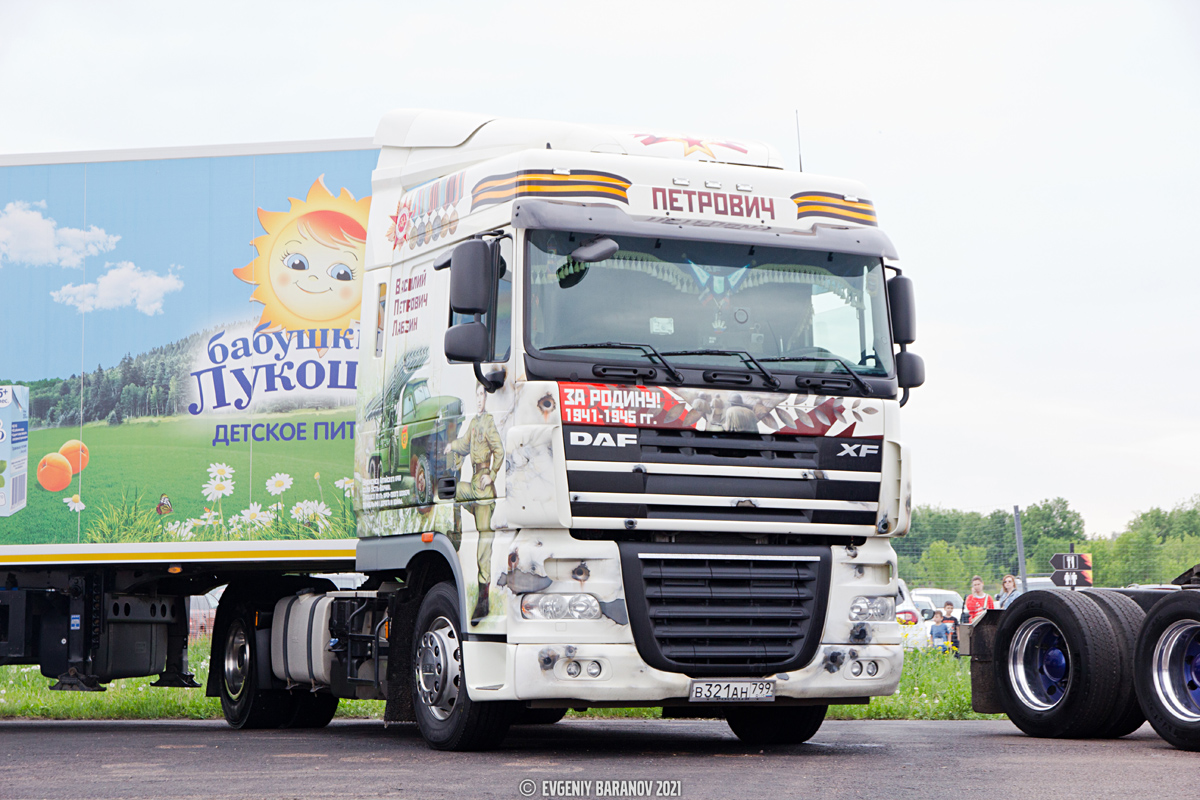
(1039, 664)
(1177, 669)
(439, 668)
(237, 660)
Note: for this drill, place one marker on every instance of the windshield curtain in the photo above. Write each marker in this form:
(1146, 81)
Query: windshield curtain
(778, 304)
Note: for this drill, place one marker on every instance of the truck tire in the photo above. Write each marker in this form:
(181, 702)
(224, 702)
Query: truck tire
(1126, 618)
(778, 725)
(244, 704)
(423, 481)
(1167, 677)
(312, 710)
(539, 716)
(1056, 665)
(447, 718)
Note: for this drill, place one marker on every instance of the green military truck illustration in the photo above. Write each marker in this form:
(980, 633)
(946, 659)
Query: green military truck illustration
(413, 432)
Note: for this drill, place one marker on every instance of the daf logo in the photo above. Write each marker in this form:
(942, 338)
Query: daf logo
(602, 439)
(859, 450)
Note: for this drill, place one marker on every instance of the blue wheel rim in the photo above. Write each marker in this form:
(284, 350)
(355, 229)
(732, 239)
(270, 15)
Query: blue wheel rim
(1039, 664)
(1177, 669)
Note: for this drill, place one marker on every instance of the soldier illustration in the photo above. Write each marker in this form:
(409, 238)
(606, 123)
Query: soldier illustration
(481, 444)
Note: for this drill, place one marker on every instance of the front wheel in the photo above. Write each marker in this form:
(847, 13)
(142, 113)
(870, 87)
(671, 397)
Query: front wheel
(244, 704)
(447, 718)
(778, 725)
(1167, 676)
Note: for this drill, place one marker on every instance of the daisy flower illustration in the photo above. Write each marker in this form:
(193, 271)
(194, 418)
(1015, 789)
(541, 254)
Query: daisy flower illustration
(220, 471)
(217, 488)
(181, 529)
(279, 483)
(74, 503)
(346, 485)
(256, 516)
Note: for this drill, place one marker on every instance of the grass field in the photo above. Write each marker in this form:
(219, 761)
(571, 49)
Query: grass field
(132, 465)
(934, 686)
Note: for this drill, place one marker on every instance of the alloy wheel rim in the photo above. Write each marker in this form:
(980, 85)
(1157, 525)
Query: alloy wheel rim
(1039, 664)
(1177, 669)
(237, 659)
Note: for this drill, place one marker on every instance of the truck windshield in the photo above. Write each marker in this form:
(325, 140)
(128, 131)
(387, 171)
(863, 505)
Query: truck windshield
(781, 305)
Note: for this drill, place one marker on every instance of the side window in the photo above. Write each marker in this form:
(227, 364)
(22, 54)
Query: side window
(409, 406)
(502, 333)
(381, 315)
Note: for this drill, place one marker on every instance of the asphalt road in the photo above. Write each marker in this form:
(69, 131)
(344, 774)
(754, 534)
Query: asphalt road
(362, 759)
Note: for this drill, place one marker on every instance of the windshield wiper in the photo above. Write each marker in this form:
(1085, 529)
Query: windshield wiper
(647, 350)
(866, 387)
(746, 358)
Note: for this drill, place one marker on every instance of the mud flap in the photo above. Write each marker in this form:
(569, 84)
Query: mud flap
(402, 609)
(984, 698)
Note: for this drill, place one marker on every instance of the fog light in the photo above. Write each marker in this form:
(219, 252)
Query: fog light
(872, 669)
(593, 669)
(856, 668)
(573, 669)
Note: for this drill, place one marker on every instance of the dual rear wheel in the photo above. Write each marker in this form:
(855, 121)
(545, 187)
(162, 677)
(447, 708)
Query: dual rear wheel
(1095, 665)
(249, 704)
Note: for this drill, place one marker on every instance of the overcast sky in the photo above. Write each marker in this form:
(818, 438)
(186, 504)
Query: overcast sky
(1034, 163)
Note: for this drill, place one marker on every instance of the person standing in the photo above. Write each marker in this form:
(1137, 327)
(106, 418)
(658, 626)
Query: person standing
(977, 601)
(952, 623)
(1008, 592)
(939, 632)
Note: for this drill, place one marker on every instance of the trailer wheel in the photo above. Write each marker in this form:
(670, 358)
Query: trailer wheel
(245, 705)
(1126, 618)
(1056, 665)
(539, 716)
(779, 725)
(312, 710)
(423, 481)
(447, 718)
(1168, 668)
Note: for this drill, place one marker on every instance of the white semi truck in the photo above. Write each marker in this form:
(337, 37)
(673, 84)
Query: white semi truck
(626, 429)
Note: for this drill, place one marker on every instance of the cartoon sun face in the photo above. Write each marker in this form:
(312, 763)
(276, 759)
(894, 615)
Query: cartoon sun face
(310, 261)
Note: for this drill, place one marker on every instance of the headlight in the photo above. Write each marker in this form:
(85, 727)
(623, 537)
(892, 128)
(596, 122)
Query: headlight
(873, 609)
(560, 606)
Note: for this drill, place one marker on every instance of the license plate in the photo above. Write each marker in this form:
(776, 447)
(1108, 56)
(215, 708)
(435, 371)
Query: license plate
(731, 691)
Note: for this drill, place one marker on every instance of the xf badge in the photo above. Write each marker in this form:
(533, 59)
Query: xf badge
(859, 450)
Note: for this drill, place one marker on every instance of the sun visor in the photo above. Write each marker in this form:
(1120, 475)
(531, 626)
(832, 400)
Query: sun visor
(546, 215)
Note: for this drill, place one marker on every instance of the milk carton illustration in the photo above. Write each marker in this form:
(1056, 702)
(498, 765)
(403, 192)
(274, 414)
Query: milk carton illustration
(14, 447)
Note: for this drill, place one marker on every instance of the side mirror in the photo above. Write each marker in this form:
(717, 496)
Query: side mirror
(471, 281)
(926, 614)
(903, 306)
(467, 342)
(910, 370)
(595, 250)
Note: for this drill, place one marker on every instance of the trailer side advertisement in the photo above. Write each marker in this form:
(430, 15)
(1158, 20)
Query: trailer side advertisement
(180, 347)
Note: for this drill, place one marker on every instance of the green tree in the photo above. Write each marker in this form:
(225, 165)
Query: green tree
(942, 566)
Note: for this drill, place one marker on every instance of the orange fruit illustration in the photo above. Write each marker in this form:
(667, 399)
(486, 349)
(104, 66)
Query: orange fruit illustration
(54, 472)
(76, 453)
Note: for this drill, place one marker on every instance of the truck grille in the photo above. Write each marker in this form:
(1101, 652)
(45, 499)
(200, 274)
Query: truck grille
(687, 480)
(722, 611)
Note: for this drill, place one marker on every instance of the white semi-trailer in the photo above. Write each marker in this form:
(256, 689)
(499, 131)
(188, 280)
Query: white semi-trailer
(626, 430)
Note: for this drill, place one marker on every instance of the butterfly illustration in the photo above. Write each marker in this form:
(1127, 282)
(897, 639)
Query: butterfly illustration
(164, 505)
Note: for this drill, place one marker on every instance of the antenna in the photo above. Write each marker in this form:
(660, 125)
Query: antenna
(799, 158)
